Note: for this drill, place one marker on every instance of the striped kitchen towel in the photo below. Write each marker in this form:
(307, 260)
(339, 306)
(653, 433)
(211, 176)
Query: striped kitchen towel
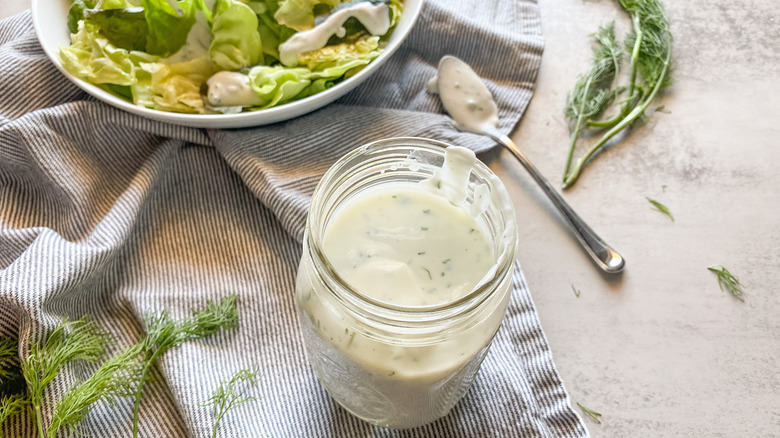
(107, 213)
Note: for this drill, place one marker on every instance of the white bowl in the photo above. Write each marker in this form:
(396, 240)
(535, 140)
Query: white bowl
(50, 21)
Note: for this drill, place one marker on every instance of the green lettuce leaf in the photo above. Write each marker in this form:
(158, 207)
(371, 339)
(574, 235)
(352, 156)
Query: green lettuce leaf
(124, 28)
(332, 62)
(316, 86)
(113, 4)
(169, 26)
(271, 32)
(236, 41)
(277, 84)
(94, 59)
(299, 14)
(76, 13)
(396, 10)
(175, 87)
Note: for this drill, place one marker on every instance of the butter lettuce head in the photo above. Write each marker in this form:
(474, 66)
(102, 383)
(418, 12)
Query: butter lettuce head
(237, 42)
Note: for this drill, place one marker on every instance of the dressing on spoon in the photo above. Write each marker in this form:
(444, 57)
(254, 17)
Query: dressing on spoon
(472, 108)
(464, 95)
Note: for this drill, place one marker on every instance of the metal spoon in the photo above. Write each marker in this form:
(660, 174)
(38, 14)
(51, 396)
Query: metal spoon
(472, 108)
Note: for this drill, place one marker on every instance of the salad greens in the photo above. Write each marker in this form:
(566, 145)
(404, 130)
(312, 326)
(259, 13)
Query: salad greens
(160, 54)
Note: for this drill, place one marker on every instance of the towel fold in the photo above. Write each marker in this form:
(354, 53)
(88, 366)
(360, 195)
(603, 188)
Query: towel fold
(107, 213)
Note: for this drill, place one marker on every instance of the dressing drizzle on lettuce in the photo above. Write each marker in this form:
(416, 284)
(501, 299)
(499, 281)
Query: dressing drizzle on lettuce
(160, 54)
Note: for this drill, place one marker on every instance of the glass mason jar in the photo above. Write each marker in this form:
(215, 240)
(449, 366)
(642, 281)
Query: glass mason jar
(392, 365)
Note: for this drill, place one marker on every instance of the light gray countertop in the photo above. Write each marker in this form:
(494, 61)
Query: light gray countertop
(661, 351)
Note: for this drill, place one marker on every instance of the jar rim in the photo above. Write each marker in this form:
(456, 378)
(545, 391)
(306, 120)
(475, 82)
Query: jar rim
(501, 267)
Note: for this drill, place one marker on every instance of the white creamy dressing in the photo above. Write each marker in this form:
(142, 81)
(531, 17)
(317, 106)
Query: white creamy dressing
(402, 245)
(413, 244)
(375, 18)
(231, 89)
(463, 94)
(408, 244)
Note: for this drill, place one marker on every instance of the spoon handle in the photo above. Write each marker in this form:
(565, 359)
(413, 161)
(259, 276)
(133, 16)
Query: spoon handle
(607, 258)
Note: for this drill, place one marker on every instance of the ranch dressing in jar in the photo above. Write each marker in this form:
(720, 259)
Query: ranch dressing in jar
(404, 280)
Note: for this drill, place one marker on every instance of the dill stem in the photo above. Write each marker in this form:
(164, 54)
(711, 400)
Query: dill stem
(39, 419)
(214, 429)
(634, 57)
(629, 119)
(217, 420)
(627, 106)
(630, 104)
(139, 391)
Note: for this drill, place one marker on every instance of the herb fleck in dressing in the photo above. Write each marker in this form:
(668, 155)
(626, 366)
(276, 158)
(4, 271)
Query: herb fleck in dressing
(403, 245)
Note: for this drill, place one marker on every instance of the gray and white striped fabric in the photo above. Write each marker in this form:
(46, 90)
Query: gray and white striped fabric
(106, 213)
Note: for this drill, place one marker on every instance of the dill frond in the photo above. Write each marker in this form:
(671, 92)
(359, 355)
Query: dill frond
(117, 377)
(590, 95)
(728, 281)
(591, 413)
(660, 207)
(9, 349)
(163, 333)
(10, 406)
(593, 92)
(231, 394)
(69, 341)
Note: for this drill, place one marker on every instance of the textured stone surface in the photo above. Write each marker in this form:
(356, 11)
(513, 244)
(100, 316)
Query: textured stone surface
(660, 351)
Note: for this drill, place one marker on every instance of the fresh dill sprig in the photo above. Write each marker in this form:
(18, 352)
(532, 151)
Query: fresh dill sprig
(660, 207)
(650, 47)
(69, 341)
(9, 349)
(728, 281)
(591, 413)
(231, 394)
(164, 333)
(10, 406)
(117, 377)
(593, 92)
